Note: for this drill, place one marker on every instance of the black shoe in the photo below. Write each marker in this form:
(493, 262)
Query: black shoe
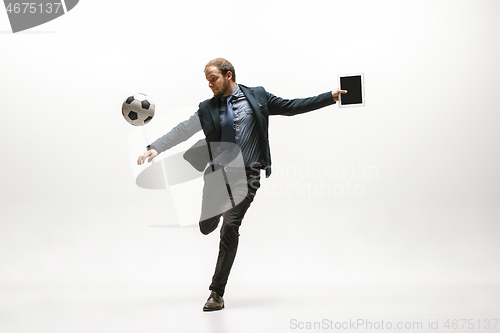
(214, 302)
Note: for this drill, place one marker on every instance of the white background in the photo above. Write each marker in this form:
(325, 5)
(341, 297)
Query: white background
(71, 213)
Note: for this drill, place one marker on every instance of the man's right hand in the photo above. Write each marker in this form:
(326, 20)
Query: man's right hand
(150, 154)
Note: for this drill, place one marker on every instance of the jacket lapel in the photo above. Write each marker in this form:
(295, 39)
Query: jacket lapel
(251, 98)
(249, 94)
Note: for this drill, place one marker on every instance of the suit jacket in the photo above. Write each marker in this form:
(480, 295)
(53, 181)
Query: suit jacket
(263, 105)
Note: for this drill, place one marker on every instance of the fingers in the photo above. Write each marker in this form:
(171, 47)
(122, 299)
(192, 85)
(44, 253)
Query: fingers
(143, 157)
(337, 93)
(150, 154)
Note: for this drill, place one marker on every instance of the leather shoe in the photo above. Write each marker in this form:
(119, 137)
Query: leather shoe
(214, 302)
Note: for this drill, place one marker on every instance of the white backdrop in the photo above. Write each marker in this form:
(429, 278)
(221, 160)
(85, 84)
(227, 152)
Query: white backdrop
(410, 193)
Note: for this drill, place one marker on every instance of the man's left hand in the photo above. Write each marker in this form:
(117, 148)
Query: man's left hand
(337, 92)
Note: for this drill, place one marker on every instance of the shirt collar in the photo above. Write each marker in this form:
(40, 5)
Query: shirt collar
(235, 93)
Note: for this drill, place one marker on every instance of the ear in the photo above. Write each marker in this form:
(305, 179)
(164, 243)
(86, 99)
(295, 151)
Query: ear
(229, 75)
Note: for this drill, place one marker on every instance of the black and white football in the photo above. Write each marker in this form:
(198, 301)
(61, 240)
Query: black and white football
(138, 109)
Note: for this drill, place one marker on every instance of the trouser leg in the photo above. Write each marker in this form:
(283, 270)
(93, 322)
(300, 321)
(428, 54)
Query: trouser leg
(229, 234)
(222, 191)
(214, 201)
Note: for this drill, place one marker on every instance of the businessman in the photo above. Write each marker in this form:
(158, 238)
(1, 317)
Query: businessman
(235, 119)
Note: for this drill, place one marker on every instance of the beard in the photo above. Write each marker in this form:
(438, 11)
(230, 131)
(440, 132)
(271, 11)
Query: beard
(223, 90)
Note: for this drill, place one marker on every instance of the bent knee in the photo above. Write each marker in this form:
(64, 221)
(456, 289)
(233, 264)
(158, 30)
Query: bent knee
(205, 229)
(209, 225)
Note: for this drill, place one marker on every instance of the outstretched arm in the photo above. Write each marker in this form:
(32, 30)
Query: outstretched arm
(178, 134)
(291, 107)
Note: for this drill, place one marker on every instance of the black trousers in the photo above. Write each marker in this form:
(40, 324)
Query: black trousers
(227, 193)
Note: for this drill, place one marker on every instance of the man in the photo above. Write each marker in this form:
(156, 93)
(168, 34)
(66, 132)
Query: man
(236, 115)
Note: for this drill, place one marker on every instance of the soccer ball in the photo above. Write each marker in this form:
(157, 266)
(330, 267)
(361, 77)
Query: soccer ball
(138, 110)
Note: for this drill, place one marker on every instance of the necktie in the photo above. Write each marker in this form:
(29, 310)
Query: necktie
(227, 124)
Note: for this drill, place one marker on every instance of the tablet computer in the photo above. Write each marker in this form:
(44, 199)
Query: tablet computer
(354, 84)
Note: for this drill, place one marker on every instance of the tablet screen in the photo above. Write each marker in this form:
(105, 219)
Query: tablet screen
(354, 86)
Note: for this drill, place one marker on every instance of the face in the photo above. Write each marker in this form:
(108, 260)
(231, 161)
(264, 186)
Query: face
(218, 83)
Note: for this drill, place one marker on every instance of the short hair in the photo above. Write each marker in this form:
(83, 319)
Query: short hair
(223, 65)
